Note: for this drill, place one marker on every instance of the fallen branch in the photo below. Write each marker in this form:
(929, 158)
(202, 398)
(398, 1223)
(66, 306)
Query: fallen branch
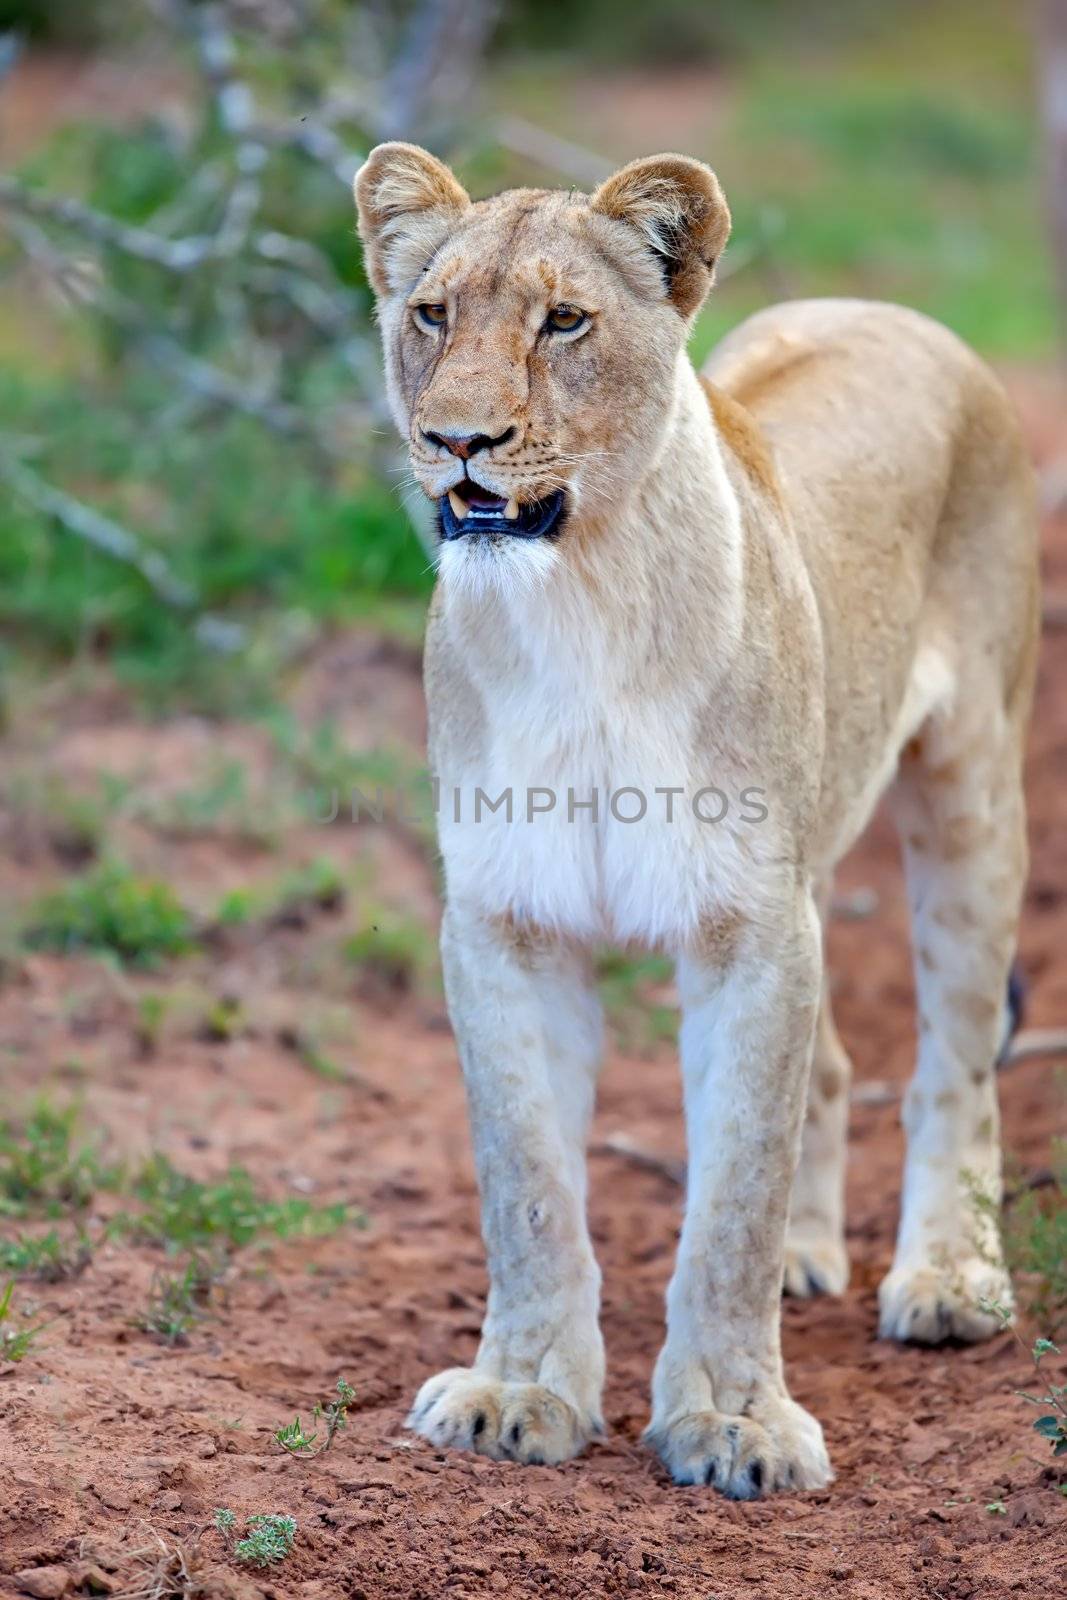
(1033, 1042)
(617, 1144)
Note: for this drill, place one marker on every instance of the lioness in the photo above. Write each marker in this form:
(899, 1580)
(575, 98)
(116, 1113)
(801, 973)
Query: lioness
(805, 577)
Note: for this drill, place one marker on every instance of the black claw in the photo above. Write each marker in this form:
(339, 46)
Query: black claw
(516, 1433)
(755, 1475)
(711, 1476)
(479, 1425)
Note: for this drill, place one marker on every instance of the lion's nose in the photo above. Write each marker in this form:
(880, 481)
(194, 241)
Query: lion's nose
(466, 445)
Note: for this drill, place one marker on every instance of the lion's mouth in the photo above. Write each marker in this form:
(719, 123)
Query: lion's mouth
(468, 508)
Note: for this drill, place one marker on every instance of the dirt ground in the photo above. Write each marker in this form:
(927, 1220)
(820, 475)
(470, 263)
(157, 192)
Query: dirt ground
(107, 1435)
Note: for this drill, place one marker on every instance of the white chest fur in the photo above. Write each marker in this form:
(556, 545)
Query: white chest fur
(592, 808)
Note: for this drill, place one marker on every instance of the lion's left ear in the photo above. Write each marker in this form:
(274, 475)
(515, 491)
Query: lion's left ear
(407, 201)
(677, 204)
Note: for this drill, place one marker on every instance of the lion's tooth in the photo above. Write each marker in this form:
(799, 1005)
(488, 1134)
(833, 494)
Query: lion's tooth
(511, 510)
(459, 507)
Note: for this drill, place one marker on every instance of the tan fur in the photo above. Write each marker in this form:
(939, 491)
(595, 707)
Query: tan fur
(813, 578)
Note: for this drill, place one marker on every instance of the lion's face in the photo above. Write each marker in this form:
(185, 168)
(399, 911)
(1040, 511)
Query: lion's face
(531, 340)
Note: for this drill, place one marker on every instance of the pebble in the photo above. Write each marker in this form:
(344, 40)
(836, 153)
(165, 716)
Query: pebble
(46, 1583)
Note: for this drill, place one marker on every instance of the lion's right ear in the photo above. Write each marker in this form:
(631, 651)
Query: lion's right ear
(407, 200)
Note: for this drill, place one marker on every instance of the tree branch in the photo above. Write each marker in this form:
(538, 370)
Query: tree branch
(109, 537)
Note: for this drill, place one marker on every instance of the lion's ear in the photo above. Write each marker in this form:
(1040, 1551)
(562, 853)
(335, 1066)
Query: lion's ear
(678, 206)
(407, 200)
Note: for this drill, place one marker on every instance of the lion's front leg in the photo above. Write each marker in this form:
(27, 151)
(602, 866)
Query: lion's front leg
(721, 1412)
(528, 1025)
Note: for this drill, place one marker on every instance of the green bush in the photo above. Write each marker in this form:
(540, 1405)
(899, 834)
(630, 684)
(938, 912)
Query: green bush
(111, 909)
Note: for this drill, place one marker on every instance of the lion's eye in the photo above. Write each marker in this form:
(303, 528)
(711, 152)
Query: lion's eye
(565, 319)
(433, 315)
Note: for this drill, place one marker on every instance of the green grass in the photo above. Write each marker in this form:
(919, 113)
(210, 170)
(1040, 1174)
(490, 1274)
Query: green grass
(288, 901)
(178, 1301)
(897, 194)
(74, 822)
(891, 154)
(45, 1167)
(1034, 1231)
(49, 1257)
(111, 910)
(638, 1021)
(392, 952)
(184, 1214)
(15, 1345)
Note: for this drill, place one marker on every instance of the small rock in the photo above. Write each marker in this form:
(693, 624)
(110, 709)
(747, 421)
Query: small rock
(94, 1579)
(46, 1583)
(206, 1449)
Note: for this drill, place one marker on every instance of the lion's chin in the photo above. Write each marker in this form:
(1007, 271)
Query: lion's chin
(482, 565)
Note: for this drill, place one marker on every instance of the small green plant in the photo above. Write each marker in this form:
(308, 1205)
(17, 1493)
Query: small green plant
(268, 1538)
(49, 1257)
(224, 1020)
(292, 1437)
(184, 1214)
(74, 823)
(111, 910)
(271, 1540)
(178, 1301)
(14, 1346)
(43, 1166)
(1033, 1233)
(289, 901)
(997, 1508)
(1053, 1425)
(392, 953)
(152, 1012)
(638, 1020)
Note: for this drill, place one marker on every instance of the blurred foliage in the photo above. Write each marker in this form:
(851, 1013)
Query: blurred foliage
(110, 910)
(679, 32)
(65, 22)
(877, 149)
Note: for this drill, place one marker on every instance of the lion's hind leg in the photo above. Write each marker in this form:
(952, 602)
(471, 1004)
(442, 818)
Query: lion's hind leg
(959, 804)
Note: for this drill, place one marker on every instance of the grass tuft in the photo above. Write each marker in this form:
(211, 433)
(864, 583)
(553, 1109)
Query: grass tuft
(14, 1346)
(43, 1167)
(110, 909)
(51, 1258)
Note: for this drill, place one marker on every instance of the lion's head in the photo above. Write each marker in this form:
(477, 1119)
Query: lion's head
(531, 340)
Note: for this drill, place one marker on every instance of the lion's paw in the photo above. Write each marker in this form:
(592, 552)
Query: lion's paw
(462, 1410)
(777, 1446)
(815, 1266)
(929, 1304)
